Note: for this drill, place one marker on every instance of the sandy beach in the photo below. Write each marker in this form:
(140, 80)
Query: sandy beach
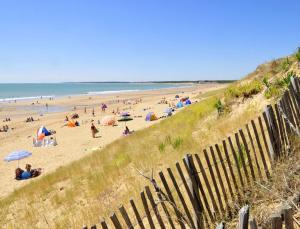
(77, 142)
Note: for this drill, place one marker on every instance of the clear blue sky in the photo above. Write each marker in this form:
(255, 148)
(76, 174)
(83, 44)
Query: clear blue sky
(84, 40)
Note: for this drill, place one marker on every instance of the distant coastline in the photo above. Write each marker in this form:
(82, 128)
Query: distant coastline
(174, 82)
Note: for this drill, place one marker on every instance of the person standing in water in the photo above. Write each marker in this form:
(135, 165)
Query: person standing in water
(47, 106)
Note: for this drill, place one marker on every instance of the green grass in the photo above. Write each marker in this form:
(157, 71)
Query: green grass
(243, 90)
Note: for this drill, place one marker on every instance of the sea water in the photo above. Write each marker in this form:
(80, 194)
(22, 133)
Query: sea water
(28, 91)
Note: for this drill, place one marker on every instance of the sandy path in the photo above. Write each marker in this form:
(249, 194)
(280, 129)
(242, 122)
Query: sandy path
(73, 143)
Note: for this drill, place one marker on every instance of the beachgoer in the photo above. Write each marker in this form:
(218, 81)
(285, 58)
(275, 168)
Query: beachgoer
(47, 106)
(33, 172)
(85, 110)
(18, 173)
(126, 131)
(93, 112)
(94, 130)
(66, 119)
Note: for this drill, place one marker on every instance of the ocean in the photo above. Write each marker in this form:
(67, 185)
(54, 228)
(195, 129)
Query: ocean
(27, 91)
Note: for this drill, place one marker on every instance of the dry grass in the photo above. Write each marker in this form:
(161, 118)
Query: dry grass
(266, 198)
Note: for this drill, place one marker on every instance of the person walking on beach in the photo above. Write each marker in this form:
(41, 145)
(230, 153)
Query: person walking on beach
(93, 112)
(94, 130)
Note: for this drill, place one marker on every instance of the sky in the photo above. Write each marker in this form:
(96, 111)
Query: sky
(142, 40)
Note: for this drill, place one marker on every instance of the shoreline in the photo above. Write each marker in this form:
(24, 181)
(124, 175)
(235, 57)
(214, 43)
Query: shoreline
(90, 93)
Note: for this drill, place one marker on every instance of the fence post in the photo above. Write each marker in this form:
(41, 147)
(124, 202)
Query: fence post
(287, 213)
(244, 217)
(220, 226)
(276, 221)
(193, 186)
(252, 223)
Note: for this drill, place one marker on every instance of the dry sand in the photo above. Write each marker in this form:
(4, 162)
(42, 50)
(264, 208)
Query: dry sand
(74, 143)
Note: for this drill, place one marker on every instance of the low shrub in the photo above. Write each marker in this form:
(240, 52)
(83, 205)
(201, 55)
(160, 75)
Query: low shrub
(245, 90)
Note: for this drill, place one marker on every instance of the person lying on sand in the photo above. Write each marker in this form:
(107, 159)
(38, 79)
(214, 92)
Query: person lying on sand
(28, 173)
(33, 172)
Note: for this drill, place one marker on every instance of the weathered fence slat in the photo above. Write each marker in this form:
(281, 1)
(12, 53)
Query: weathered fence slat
(281, 129)
(137, 214)
(220, 226)
(147, 211)
(286, 123)
(191, 169)
(293, 109)
(260, 150)
(273, 130)
(103, 224)
(254, 152)
(252, 223)
(287, 213)
(125, 217)
(237, 140)
(219, 175)
(224, 171)
(159, 195)
(115, 221)
(270, 151)
(230, 166)
(194, 198)
(212, 175)
(296, 96)
(179, 215)
(294, 104)
(289, 108)
(211, 195)
(276, 221)
(236, 161)
(154, 207)
(247, 153)
(185, 207)
(244, 217)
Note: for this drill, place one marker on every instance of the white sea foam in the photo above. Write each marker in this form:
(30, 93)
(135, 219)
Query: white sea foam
(27, 98)
(109, 92)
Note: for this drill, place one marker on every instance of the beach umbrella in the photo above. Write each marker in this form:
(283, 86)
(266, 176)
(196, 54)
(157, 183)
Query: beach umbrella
(125, 119)
(17, 155)
(125, 114)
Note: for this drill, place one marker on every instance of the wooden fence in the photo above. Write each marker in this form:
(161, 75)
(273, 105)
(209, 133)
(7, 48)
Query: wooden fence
(208, 187)
(283, 217)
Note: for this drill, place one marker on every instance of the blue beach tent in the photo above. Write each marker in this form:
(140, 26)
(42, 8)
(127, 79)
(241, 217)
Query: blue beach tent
(188, 102)
(179, 104)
